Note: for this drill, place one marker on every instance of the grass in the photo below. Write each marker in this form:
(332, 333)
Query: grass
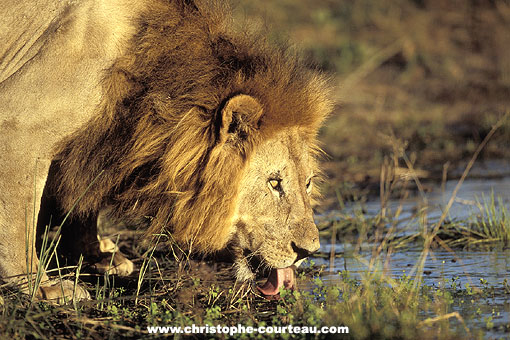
(490, 226)
(368, 307)
(372, 306)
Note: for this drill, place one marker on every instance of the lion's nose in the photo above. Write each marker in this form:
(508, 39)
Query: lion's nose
(303, 252)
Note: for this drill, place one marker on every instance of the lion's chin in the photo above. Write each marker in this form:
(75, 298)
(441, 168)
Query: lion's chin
(278, 278)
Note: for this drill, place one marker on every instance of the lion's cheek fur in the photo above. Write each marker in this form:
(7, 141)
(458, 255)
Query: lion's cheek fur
(205, 219)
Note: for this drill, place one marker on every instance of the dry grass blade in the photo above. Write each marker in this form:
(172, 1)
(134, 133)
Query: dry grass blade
(371, 64)
(432, 235)
(456, 315)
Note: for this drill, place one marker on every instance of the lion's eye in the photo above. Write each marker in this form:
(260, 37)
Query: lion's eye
(275, 184)
(309, 185)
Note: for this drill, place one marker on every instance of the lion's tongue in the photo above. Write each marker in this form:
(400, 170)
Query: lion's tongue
(280, 277)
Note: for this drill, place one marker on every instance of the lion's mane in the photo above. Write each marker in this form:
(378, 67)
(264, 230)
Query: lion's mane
(152, 148)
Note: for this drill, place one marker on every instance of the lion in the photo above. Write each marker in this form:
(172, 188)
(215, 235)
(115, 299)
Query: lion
(160, 112)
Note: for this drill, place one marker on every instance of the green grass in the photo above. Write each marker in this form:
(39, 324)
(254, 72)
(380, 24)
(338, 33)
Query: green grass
(368, 307)
(488, 226)
(373, 306)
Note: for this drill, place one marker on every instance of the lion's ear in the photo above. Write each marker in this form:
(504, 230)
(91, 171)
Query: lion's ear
(240, 118)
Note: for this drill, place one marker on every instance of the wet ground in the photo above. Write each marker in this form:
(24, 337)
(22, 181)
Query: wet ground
(485, 271)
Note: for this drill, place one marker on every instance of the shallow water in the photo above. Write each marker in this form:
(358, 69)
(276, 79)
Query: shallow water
(472, 194)
(467, 266)
(493, 265)
(460, 273)
(456, 270)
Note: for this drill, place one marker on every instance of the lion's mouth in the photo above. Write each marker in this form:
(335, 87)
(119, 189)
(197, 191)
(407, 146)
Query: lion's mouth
(278, 278)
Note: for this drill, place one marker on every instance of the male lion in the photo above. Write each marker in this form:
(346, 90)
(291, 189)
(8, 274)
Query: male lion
(158, 110)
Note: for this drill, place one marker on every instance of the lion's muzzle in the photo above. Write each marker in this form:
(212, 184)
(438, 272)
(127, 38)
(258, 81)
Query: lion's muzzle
(301, 252)
(306, 240)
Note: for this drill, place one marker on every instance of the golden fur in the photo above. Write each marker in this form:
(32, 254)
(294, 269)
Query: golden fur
(152, 107)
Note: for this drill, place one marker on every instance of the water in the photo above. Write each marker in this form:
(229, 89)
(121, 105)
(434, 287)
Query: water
(459, 273)
(468, 266)
(472, 194)
(458, 270)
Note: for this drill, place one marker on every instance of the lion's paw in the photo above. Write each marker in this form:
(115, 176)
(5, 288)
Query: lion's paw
(107, 246)
(63, 292)
(120, 265)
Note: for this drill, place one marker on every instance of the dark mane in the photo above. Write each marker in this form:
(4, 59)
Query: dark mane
(151, 146)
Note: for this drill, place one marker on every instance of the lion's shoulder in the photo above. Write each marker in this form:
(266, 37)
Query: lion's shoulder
(25, 27)
(66, 30)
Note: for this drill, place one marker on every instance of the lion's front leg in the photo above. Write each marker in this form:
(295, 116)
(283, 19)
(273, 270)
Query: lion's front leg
(78, 233)
(21, 191)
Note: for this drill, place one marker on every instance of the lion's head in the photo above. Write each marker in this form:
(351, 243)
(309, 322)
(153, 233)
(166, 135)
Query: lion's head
(274, 217)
